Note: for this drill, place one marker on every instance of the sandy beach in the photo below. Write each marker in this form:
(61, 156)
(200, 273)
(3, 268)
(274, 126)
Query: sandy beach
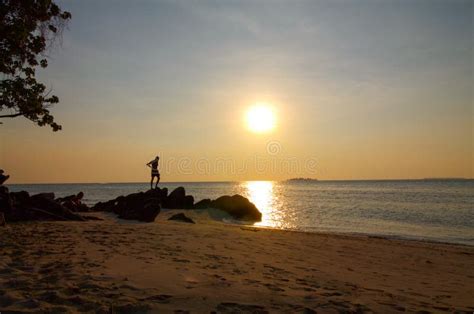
(111, 266)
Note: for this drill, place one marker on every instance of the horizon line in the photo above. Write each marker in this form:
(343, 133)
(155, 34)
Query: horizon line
(234, 181)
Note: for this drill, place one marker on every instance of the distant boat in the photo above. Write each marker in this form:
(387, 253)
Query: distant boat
(301, 180)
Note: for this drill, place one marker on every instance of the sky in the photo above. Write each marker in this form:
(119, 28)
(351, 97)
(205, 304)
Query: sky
(360, 90)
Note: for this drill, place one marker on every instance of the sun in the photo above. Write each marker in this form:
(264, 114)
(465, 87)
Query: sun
(260, 118)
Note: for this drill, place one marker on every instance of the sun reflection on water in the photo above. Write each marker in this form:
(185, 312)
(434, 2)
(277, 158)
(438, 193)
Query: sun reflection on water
(264, 194)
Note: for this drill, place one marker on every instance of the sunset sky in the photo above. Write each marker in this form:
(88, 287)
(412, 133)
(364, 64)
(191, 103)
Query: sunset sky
(359, 90)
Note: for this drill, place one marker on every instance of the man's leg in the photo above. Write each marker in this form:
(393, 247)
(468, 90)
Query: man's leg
(157, 181)
(151, 182)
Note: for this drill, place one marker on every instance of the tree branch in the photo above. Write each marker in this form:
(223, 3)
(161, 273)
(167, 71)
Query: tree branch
(11, 115)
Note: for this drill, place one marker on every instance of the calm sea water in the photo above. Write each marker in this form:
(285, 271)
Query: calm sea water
(428, 210)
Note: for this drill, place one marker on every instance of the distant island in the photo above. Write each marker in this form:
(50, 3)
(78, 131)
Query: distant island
(446, 179)
(301, 180)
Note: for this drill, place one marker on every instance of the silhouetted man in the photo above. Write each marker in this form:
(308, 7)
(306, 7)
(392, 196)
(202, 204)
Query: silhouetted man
(154, 171)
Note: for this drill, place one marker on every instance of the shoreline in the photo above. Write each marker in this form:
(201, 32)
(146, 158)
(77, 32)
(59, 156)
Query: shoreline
(369, 235)
(355, 234)
(209, 266)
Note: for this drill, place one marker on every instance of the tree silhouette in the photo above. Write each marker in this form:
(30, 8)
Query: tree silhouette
(27, 29)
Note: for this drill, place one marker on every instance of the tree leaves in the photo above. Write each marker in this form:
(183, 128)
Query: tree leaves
(26, 27)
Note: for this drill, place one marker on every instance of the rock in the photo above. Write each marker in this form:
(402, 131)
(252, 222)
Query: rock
(21, 197)
(138, 206)
(76, 206)
(5, 199)
(157, 193)
(3, 177)
(49, 196)
(37, 207)
(104, 206)
(238, 207)
(178, 200)
(2, 220)
(188, 202)
(73, 197)
(73, 202)
(203, 204)
(48, 209)
(142, 206)
(181, 217)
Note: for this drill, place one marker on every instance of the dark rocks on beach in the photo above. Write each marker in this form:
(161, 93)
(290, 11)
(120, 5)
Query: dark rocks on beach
(45, 207)
(181, 217)
(138, 206)
(178, 200)
(145, 206)
(142, 206)
(20, 206)
(107, 206)
(2, 220)
(5, 199)
(203, 204)
(157, 193)
(238, 207)
(49, 196)
(73, 202)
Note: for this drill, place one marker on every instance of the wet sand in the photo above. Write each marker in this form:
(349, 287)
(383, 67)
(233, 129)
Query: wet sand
(167, 266)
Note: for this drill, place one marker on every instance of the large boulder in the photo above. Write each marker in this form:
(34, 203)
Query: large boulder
(138, 206)
(188, 202)
(142, 206)
(178, 199)
(238, 207)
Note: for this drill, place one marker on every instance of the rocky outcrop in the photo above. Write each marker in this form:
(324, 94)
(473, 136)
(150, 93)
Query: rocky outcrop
(142, 206)
(178, 200)
(181, 217)
(238, 207)
(145, 206)
(20, 206)
(73, 202)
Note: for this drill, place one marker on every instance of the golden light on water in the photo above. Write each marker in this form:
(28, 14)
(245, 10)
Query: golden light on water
(261, 118)
(265, 196)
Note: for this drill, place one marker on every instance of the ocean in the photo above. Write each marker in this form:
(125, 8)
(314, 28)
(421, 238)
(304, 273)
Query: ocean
(432, 210)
